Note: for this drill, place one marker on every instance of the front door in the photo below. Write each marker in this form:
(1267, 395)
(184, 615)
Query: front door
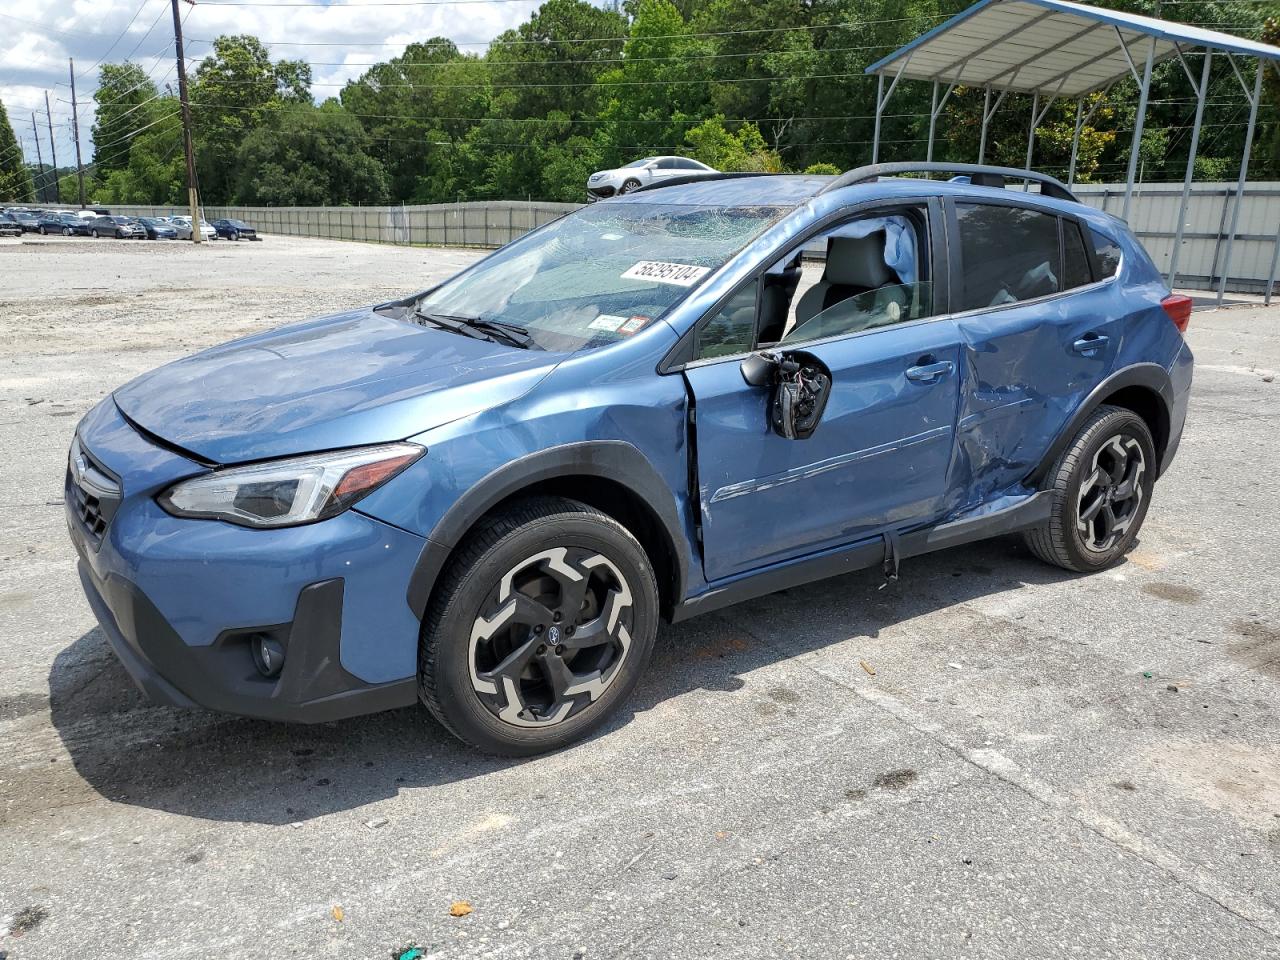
(879, 458)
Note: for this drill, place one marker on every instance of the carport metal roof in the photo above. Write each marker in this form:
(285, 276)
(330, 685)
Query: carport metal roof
(1053, 49)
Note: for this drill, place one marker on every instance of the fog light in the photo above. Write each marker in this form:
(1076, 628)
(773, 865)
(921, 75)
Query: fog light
(268, 655)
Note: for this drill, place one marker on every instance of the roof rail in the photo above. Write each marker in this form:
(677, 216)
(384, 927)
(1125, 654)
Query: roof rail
(697, 178)
(979, 174)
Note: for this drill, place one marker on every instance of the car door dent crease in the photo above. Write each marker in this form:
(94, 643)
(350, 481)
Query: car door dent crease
(729, 491)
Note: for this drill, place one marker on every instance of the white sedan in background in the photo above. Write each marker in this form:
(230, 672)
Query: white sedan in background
(638, 173)
(183, 226)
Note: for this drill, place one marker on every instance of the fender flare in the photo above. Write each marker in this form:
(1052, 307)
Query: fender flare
(613, 460)
(1150, 376)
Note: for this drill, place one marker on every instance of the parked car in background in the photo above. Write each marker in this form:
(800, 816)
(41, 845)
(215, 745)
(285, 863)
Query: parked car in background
(92, 213)
(122, 228)
(28, 220)
(183, 226)
(158, 229)
(67, 224)
(486, 495)
(9, 226)
(607, 183)
(235, 230)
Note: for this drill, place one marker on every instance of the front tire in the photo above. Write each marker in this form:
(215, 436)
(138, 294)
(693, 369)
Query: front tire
(539, 629)
(1101, 487)
(629, 185)
(94, 234)
(43, 232)
(66, 231)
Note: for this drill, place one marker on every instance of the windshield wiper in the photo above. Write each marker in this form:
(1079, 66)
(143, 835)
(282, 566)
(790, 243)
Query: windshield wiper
(508, 333)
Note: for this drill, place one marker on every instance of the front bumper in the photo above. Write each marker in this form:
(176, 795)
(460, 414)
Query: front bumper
(182, 600)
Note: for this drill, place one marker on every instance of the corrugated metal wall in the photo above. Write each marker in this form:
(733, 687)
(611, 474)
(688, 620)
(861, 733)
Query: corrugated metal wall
(491, 224)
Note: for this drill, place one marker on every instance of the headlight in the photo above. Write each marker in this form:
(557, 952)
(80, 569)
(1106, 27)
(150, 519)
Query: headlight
(284, 493)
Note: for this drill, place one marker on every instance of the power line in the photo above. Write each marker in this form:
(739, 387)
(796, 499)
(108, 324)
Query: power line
(121, 37)
(619, 38)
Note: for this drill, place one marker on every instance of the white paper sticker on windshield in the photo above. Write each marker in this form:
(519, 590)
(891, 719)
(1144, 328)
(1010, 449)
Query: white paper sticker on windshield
(676, 274)
(607, 321)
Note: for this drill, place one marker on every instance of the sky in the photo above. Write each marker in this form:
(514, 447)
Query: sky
(36, 41)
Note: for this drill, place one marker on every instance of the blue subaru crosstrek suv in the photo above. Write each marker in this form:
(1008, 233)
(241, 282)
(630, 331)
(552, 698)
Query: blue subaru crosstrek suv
(484, 497)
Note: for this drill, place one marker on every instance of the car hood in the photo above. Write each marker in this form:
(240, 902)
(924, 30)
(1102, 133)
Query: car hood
(351, 379)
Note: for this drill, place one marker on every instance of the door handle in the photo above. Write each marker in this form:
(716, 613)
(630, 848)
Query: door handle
(1090, 344)
(930, 370)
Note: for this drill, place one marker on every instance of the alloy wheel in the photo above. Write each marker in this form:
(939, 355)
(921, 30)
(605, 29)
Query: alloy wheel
(551, 637)
(1111, 495)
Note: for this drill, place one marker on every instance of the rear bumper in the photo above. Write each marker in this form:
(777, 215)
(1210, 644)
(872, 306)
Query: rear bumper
(1181, 374)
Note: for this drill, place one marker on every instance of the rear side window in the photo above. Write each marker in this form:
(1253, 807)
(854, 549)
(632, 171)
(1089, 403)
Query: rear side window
(1107, 252)
(1007, 254)
(1075, 263)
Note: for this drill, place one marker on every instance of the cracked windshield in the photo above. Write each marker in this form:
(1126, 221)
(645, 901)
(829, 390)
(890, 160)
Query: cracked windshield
(599, 275)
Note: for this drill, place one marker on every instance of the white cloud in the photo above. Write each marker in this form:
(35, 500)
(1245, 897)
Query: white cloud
(37, 40)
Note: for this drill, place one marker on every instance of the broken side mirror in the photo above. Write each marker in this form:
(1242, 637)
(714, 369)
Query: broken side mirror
(799, 384)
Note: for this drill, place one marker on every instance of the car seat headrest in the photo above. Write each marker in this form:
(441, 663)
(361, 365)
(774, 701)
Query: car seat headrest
(858, 262)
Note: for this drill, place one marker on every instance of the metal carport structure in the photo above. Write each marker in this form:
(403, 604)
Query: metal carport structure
(1055, 49)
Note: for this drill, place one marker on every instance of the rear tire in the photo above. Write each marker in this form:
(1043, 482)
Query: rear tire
(1101, 488)
(94, 234)
(43, 233)
(66, 231)
(539, 629)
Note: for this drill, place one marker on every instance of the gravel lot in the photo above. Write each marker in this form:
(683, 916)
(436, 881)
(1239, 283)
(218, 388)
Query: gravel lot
(1039, 766)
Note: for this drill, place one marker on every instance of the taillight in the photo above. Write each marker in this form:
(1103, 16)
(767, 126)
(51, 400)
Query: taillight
(1178, 308)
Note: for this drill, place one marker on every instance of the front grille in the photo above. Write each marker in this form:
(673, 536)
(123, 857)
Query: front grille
(92, 491)
(605, 191)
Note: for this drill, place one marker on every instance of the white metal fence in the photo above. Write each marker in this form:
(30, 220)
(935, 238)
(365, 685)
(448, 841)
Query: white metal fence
(492, 223)
(1154, 218)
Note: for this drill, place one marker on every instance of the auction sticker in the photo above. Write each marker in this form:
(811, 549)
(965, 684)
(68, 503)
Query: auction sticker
(633, 325)
(676, 274)
(607, 321)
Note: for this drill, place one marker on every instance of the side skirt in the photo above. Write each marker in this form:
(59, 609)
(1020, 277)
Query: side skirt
(1023, 513)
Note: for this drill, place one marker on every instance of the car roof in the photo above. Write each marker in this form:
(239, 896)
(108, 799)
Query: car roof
(796, 189)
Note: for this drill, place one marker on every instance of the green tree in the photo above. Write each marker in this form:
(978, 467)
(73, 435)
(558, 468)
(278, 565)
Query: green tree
(15, 178)
(124, 90)
(236, 89)
(310, 156)
(741, 151)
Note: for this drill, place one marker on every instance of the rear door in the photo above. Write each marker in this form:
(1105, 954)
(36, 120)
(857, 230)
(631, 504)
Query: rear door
(1039, 334)
(879, 458)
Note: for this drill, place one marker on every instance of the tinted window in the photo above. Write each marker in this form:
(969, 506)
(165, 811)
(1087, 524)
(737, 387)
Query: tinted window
(1075, 264)
(732, 329)
(1007, 254)
(1107, 253)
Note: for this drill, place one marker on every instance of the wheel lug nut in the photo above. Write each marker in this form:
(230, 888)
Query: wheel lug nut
(568, 631)
(557, 616)
(542, 648)
(560, 649)
(538, 628)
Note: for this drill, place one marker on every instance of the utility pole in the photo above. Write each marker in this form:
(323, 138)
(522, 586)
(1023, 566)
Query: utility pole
(39, 158)
(75, 129)
(53, 149)
(186, 124)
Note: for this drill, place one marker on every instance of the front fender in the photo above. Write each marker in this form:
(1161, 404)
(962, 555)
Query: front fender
(613, 460)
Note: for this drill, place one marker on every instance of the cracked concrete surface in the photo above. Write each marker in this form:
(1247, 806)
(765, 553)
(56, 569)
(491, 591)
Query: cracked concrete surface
(1041, 765)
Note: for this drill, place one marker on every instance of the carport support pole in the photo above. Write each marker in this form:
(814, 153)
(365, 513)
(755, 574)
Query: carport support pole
(1244, 174)
(1075, 143)
(1137, 130)
(933, 122)
(1031, 135)
(1191, 168)
(1271, 277)
(986, 118)
(875, 137)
